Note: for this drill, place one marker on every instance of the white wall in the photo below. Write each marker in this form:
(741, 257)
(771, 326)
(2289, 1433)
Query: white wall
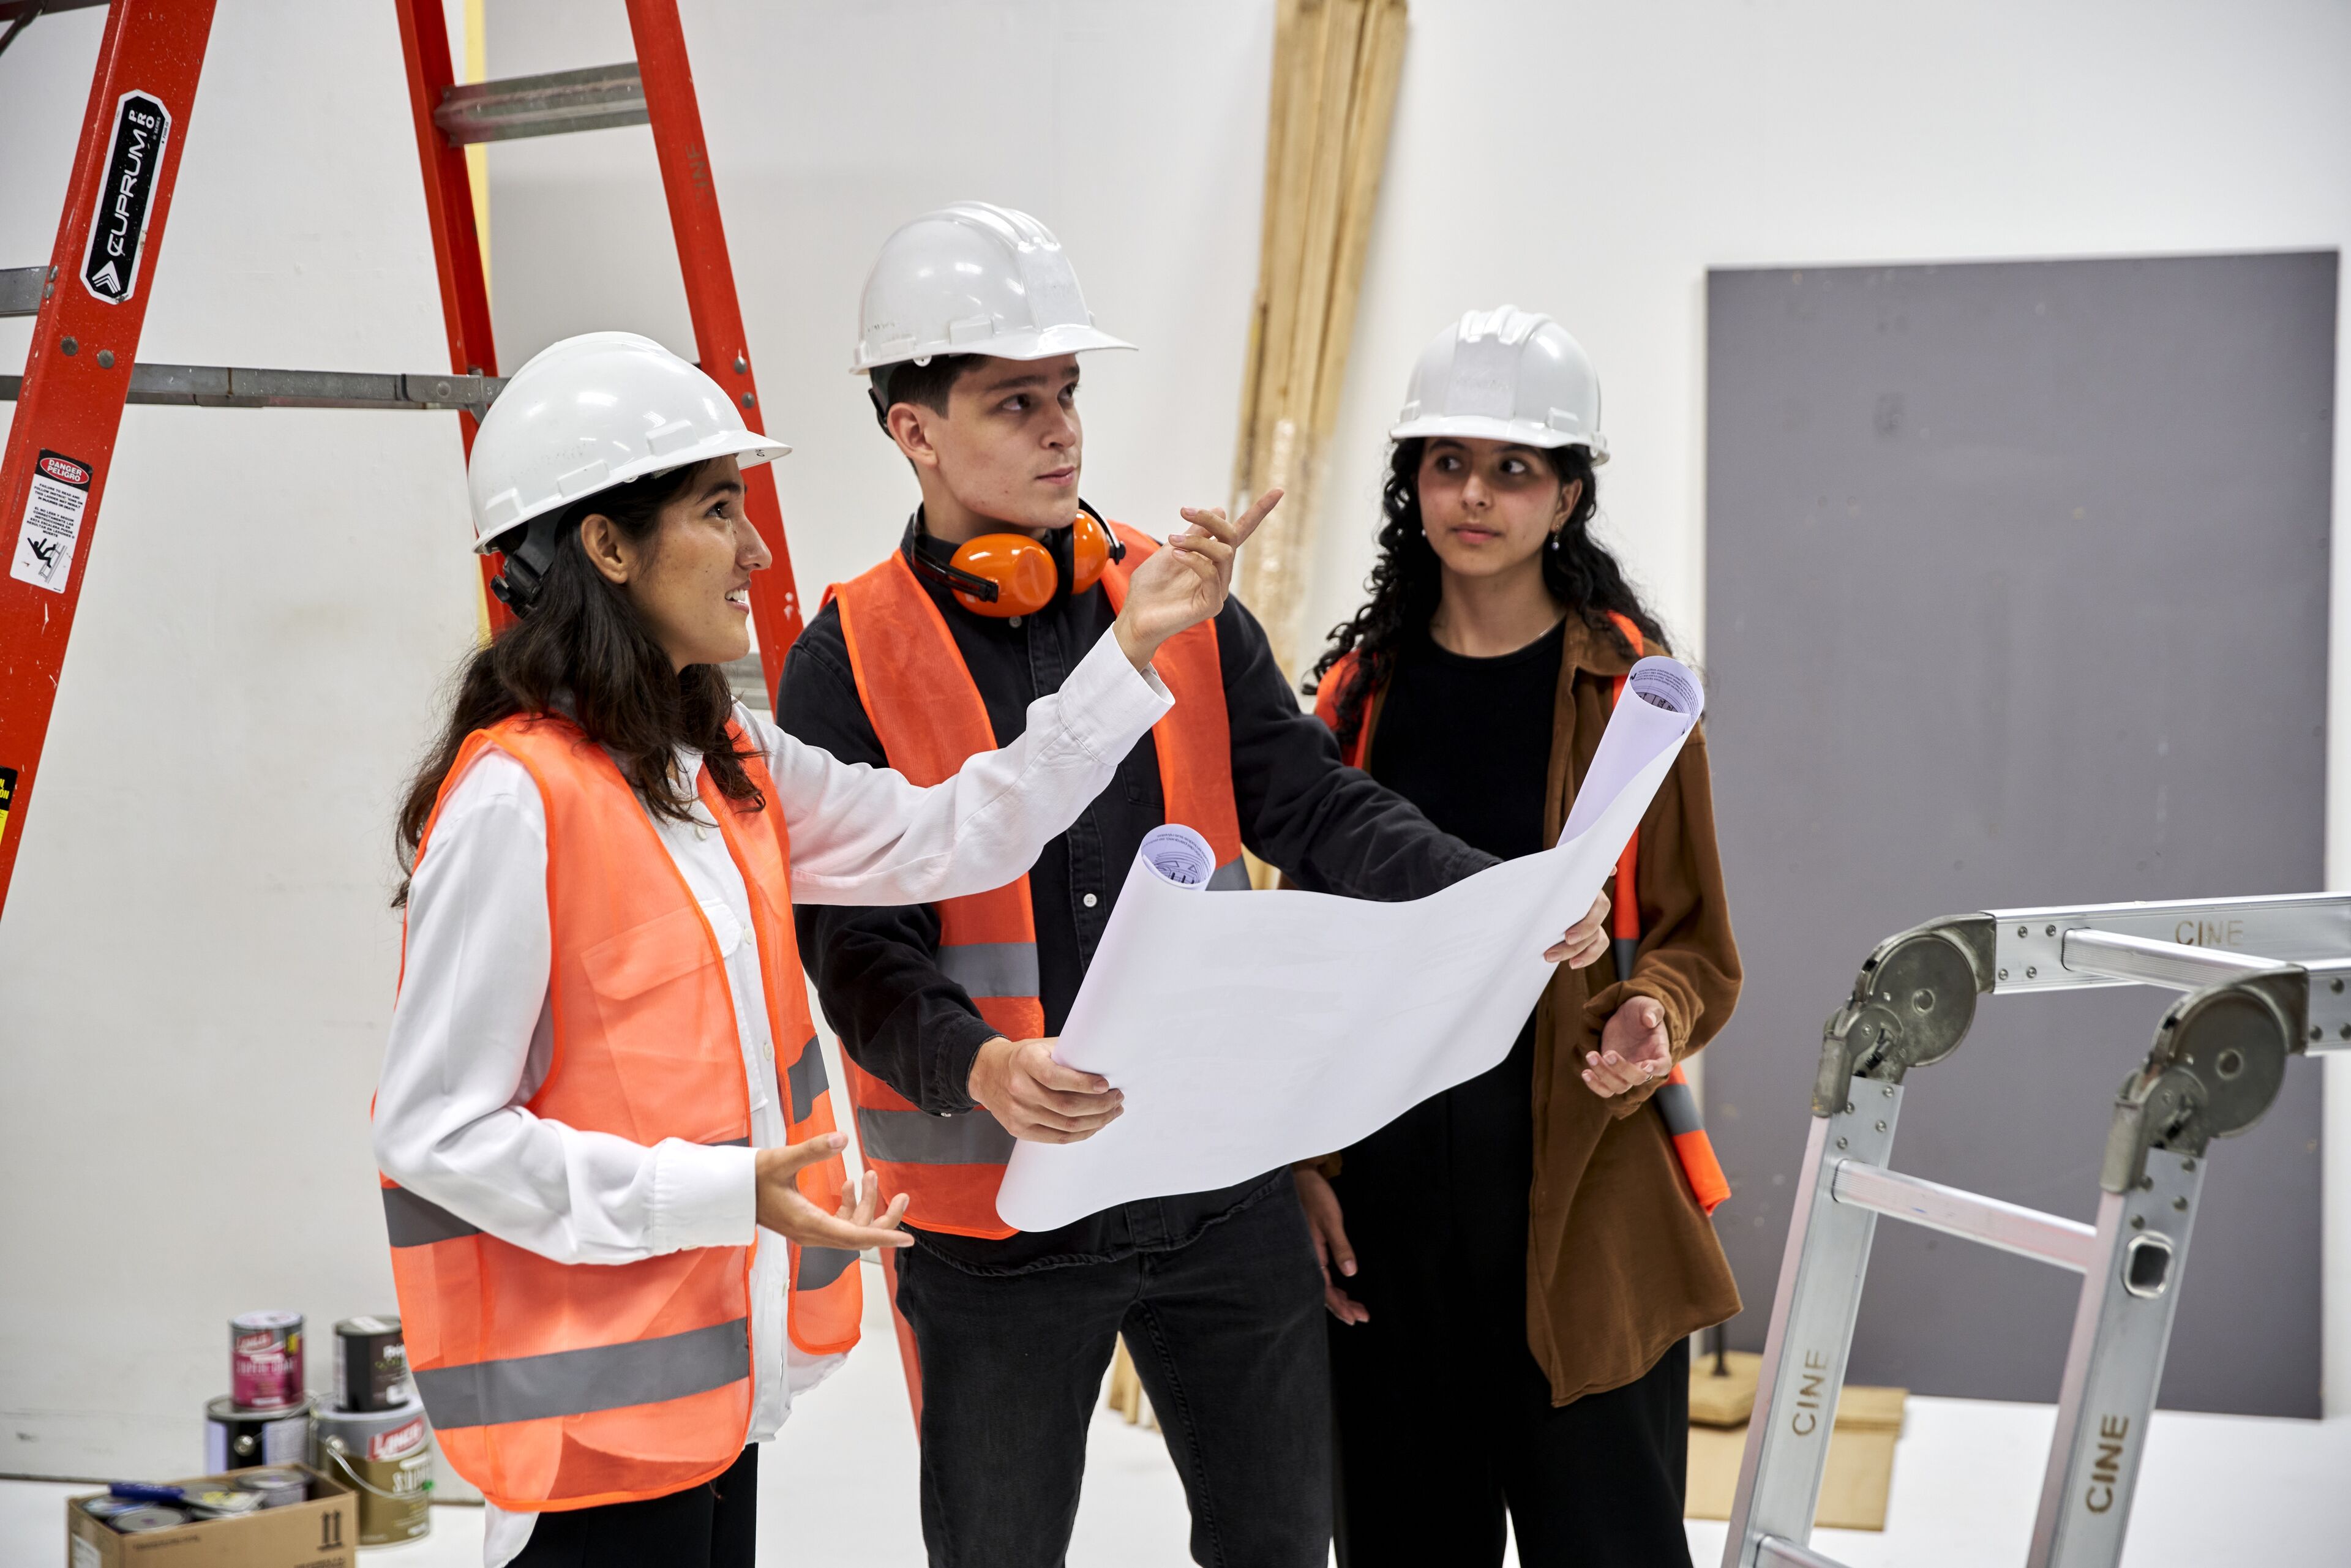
(195, 966)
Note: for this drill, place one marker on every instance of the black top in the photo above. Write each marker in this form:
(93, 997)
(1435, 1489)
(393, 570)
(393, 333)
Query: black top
(1436, 1201)
(900, 1018)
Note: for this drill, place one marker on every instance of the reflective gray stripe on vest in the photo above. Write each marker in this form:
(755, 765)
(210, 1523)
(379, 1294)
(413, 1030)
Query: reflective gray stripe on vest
(1232, 876)
(919, 1138)
(577, 1382)
(991, 968)
(414, 1221)
(821, 1266)
(806, 1080)
(1679, 1107)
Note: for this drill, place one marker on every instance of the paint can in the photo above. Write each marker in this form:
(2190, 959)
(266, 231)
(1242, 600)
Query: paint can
(221, 1503)
(371, 1364)
(154, 1516)
(387, 1456)
(276, 1488)
(237, 1439)
(265, 1360)
(112, 1507)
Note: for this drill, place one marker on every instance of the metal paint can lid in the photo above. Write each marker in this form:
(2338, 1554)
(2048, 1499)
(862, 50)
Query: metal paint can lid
(254, 1322)
(111, 1507)
(226, 1408)
(140, 1519)
(222, 1502)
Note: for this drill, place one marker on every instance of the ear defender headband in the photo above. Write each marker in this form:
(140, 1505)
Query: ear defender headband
(1004, 575)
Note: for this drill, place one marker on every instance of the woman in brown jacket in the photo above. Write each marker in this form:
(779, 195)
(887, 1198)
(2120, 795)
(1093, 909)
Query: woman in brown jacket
(1514, 1266)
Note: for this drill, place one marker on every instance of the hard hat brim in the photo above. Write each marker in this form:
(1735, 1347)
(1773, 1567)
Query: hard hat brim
(1045, 344)
(747, 447)
(1486, 427)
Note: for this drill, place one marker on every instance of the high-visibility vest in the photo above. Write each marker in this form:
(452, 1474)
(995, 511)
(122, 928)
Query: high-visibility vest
(563, 1386)
(919, 696)
(1674, 1099)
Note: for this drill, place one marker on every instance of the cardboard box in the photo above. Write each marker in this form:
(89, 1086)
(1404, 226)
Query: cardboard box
(318, 1533)
(1860, 1473)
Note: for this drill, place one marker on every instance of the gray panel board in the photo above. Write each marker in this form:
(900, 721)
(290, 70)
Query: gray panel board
(2016, 587)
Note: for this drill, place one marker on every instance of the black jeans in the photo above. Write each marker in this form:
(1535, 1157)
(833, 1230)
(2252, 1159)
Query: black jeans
(1430, 1458)
(1227, 1333)
(715, 1523)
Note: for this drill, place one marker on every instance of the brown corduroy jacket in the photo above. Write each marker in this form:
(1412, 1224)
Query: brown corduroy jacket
(1620, 1260)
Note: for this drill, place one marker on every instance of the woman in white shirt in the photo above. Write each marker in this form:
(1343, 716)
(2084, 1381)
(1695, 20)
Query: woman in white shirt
(602, 1114)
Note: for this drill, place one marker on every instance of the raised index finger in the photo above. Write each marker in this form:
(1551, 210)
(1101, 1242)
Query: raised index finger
(1256, 515)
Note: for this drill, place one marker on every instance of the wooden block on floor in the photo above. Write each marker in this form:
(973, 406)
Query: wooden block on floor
(1860, 1471)
(1726, 1400)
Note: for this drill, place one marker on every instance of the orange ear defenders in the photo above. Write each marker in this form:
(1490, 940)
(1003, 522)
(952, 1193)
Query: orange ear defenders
(1004, 575)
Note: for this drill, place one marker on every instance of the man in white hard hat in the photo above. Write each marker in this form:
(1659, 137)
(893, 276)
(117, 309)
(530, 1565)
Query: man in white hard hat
(972, 322)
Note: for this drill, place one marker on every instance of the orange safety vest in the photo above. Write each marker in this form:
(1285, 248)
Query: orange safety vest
(1674, 1099)
(919, 696)
(563, 1386)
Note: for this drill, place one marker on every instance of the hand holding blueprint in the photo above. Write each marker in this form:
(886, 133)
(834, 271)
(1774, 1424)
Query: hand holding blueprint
(1252, 1030)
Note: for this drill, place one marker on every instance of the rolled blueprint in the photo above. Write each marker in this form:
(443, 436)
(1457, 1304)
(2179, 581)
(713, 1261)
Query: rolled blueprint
(1250, 1029)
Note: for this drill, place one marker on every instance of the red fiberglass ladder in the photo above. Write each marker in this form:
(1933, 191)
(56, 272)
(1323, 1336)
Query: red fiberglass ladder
(92, 301)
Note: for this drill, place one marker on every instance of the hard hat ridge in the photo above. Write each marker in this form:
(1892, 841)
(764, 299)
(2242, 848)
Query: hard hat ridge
(973, 278)
(591, 411)
(1505, 374)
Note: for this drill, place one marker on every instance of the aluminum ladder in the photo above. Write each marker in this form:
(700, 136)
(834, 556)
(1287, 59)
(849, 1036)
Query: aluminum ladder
(2218, 1059)
(91, 302)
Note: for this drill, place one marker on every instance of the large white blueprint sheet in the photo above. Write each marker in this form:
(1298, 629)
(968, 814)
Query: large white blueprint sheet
(1252, 1030)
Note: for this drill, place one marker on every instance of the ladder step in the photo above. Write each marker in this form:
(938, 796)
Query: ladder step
(1774, 1552)
(22, 289)
(17, 10)
(548, 105)
(231, 386)
(1972, 1217)
(2175, 965)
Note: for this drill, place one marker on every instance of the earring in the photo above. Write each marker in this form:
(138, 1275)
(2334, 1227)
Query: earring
(1555, 534)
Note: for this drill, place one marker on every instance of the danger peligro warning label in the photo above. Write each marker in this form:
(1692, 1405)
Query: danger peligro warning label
(118, 222)
(53, 512)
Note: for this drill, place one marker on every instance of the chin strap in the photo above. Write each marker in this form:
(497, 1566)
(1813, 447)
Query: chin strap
(527, 563)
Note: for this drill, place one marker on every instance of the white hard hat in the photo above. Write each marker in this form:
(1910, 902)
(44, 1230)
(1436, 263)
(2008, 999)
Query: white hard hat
(590, 413)
(973, 279)
(1504, 375)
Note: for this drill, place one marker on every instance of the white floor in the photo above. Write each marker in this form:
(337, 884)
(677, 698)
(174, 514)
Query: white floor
(839, 1488)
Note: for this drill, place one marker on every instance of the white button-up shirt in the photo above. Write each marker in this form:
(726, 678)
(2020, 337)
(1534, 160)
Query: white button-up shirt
(472, 1032)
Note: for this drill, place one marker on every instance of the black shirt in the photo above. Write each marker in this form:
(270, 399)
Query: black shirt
(900, 1018)
(1436, 1201)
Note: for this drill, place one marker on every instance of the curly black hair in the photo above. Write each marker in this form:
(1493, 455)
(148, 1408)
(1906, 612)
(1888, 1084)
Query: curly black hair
(1407, 579)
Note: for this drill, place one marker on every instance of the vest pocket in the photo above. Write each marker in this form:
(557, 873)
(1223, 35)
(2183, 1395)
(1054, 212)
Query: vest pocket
(661, 994)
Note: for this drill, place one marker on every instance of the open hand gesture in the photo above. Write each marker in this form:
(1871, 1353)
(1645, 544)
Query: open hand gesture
(854, 1227)
(1633, 1050)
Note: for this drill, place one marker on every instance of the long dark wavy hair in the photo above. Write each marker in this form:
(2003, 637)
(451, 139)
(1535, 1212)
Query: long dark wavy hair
(581, 651)
(1406, 580)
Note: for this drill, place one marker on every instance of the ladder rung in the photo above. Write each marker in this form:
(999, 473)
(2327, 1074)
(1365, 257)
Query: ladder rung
(2009, 1227)
(548, 105)
(22, 288)
(2088, 951)
(1774, 1552)
(231, 386)
(16, 10)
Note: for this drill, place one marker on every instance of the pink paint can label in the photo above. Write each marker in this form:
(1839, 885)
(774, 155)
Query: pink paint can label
(266, 1361)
